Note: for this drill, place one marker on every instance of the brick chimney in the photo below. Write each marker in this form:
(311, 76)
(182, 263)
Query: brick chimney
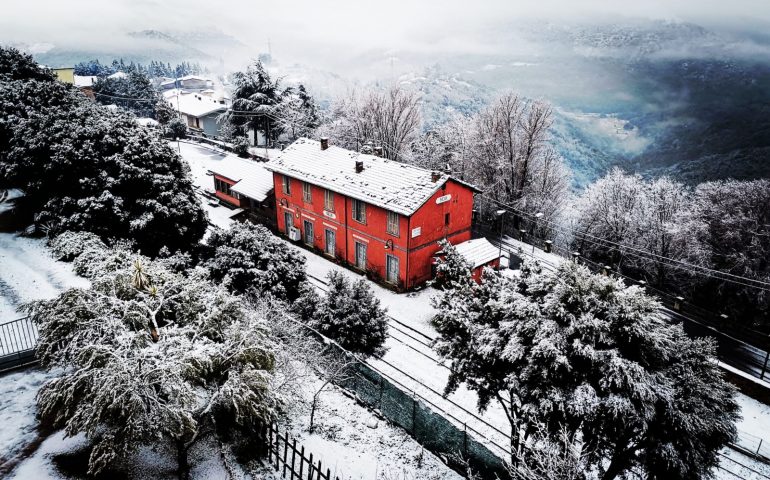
(359, 166)
(378, 151)
(434, 176)
(324, 143)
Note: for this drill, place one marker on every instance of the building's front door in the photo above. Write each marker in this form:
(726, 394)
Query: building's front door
(361, 255)
(308, 232)
(391, 269)
(288, 220)
(331, 242)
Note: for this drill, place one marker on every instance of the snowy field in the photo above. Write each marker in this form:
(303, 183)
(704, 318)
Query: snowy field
(29, 272)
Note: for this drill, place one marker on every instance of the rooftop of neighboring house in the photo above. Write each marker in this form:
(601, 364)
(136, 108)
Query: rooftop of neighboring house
(252, 179)
(478, 251)
(389, 184)
(85, 80)
(194, 104)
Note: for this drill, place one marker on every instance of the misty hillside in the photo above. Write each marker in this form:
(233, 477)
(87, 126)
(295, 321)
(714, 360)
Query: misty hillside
(654, 97)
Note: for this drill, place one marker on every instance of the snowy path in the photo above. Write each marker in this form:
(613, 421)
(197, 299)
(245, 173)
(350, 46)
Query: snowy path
(28, 272)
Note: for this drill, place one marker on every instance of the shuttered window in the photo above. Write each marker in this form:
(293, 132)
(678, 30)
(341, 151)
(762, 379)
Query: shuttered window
(286, 185)
(307, 192)
(359, 211)
(329, 201)
(393, 223)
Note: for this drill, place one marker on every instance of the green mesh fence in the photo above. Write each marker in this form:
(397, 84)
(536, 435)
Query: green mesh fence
(429, 427)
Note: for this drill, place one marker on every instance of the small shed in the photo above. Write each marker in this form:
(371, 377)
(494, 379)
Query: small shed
(479, 253)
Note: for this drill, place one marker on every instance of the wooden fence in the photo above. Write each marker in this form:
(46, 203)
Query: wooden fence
(290, 460)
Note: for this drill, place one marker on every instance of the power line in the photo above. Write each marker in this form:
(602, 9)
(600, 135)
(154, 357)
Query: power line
(639, 252)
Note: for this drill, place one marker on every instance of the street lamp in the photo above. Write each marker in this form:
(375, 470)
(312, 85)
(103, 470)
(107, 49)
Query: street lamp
(499, 214)
(538, 216)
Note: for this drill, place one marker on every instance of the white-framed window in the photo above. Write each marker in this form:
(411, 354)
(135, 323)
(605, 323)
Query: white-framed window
(307, 192)
(391, 268)
(286, 185)
(309, 239)
(359, 211)
(361, 256)
(328, 200)
(393, 223)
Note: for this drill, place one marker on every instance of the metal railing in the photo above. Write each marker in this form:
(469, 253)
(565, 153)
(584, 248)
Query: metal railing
(18, 339)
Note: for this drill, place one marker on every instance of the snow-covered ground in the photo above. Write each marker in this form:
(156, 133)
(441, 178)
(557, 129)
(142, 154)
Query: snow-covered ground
(349, 440)
(29, 272)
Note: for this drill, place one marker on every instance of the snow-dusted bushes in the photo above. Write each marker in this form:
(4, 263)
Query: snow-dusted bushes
(150, 356)
(84, 167)
(582, 351)
(452, 269)
(350, 314)
(249, 258)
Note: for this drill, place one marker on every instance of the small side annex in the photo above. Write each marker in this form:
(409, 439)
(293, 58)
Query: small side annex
(246, 184)
(378, 216)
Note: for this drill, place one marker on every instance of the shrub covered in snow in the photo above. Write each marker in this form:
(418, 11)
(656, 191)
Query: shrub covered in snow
(15, 65)
(452, 269)
(175, 128)
(150, 355)
(352, 315)
(582, 351)
(249, 258)
(241, 146)
(84, 167)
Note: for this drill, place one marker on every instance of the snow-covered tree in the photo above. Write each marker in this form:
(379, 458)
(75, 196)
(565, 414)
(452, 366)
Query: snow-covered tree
(452, 270)
(249, 258)
(84, 167)
(620, 216)
(134, 92)
(148, 356)
(298, 114)
(256, 100)
(15, 65)
(352, 315)
(583, 351)
(730, 224)
(389, 118)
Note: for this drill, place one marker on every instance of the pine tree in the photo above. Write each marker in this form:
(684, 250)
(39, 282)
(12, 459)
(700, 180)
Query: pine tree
(352, 315)
(247, 258)
(570, 349)
(452, 269)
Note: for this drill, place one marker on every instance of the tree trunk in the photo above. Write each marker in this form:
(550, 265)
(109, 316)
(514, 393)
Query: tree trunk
(312, 413)
(183, 466)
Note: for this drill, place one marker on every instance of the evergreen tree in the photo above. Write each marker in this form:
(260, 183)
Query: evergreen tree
(453, 270)
(134, 93)
(15, 65)
(247, 258)
(259, 96)
(570, 349)
(352, 315)
(83, 167)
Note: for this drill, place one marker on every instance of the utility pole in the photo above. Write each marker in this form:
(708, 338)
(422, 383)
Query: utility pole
(501, 215)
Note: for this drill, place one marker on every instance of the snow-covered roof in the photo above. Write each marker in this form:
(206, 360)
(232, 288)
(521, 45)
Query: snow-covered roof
(389, 184)
(85, 80)
(265, 153)
(118, 75)
(194, 104)
(147, 122)
(478, 251)
(252, 179)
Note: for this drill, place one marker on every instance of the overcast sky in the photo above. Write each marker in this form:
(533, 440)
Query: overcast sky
(347, 26)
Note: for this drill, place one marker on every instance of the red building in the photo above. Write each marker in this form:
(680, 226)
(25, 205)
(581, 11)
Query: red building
(377, 215)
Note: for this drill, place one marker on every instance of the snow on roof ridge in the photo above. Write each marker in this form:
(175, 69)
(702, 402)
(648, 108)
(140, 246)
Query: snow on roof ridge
(389, 184)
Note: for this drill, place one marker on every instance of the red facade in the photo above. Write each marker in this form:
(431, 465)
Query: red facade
(401, 256)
